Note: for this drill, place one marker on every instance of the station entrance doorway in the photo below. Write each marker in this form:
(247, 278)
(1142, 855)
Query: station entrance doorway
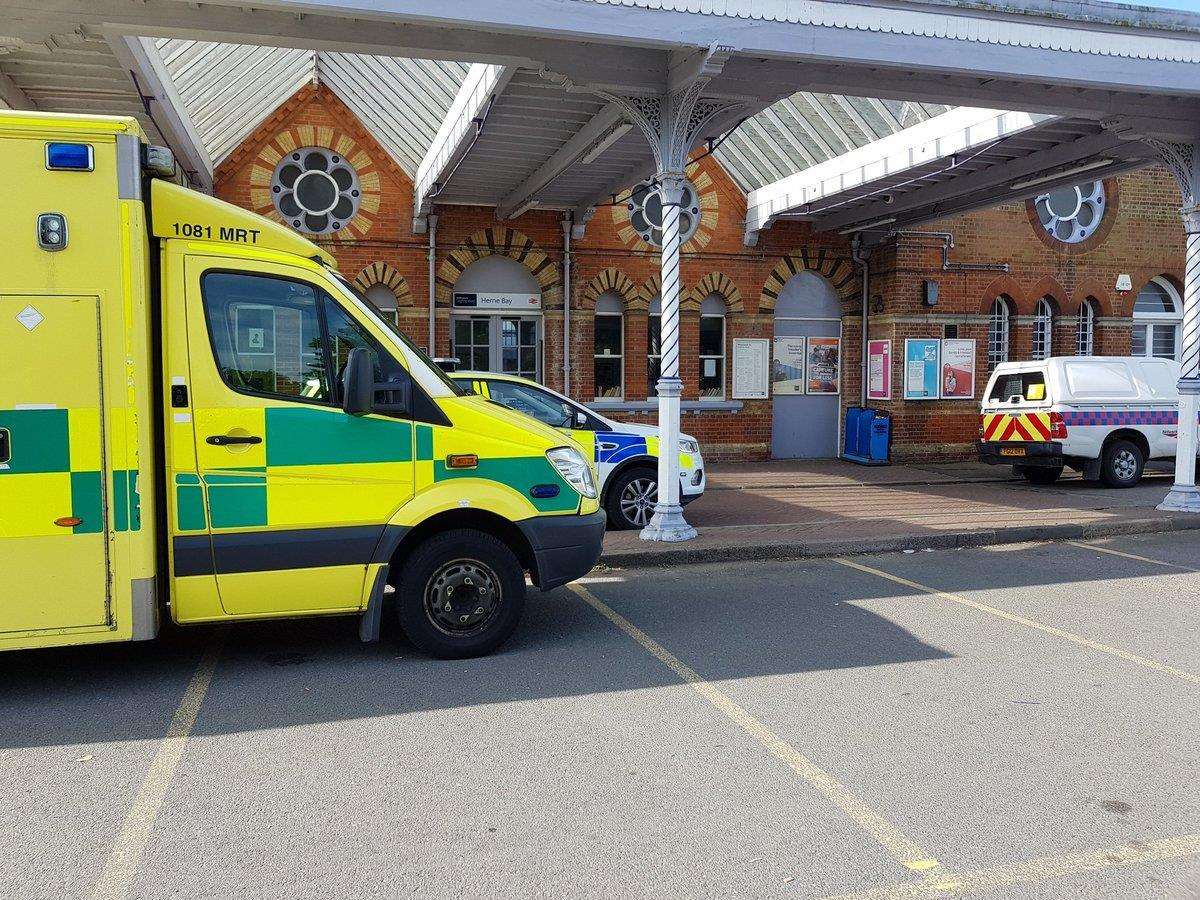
(807, 359)
(496, 322)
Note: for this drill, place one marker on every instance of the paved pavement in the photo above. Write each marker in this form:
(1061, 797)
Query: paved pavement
(1010, 722)
(791, 509)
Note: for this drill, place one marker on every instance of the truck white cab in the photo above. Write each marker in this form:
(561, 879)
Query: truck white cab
(1104, 416)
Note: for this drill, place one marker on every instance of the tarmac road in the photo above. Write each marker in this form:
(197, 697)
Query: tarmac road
(1016, 721)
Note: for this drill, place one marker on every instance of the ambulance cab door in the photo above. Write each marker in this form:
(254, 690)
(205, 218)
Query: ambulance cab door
(297, 492)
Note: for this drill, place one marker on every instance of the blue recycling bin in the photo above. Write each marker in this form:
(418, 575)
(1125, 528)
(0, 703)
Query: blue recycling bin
(868, 436)
(851, 435)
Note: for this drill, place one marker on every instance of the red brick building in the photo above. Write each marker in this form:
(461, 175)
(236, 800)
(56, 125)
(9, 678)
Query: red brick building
(732, 291)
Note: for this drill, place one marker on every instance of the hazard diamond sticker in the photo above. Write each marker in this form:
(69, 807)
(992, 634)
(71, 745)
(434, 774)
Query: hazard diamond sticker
(30, 318)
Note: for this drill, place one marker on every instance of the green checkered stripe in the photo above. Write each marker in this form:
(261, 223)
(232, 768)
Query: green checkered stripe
(239, 496)
(40, 444)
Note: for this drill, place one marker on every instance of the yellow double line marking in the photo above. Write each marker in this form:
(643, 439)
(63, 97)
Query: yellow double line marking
(899, 845)
(125, 857)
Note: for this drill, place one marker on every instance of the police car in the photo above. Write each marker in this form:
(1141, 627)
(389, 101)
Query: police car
(626, 454)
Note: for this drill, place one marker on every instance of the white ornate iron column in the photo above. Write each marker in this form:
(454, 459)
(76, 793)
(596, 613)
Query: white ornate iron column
(1184, 161)
(672, 124)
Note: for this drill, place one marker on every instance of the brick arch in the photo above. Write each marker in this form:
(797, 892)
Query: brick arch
(837, 269)
(1007, 285)
(1049, 286)
(718, 283)
(609, 281)
(499, 240)
(648, 290)
(1095, 290)
(389, 277)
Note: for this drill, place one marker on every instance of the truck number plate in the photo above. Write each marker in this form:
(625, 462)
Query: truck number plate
(1012, 451)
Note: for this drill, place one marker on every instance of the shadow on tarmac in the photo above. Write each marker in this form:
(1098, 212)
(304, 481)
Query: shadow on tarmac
(294, 673)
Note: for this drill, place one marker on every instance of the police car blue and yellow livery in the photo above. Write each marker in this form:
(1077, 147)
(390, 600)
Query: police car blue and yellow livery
(625, 453)
(244, 437)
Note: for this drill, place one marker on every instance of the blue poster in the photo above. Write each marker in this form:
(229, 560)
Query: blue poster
(922, 360)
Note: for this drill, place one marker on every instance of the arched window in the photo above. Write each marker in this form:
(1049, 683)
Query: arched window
(1157, 314)
(999, 327)
(383, 299)
(609, 348)
(712, 348)
(653, 348)
(1085, 331)
(1043, 329)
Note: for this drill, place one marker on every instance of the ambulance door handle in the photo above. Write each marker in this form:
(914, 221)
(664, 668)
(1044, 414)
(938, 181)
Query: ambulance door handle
(223, 440)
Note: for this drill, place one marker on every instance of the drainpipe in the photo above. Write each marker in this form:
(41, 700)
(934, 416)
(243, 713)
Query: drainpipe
(432, 229)
(567, 223)
(863, 258)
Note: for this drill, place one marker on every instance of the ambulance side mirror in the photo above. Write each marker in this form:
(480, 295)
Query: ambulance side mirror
(358, 382)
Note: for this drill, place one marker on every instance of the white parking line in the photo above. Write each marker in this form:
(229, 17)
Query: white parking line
(125, 857)
(899, 845)
(1126, 555)
(1081, 641)
(1033, 871)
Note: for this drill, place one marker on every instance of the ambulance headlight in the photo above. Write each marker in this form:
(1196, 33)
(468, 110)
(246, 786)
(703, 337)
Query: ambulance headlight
(574, 469)
(686, 446)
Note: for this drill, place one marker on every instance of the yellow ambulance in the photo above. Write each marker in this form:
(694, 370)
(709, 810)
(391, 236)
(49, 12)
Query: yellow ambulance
(200, 418)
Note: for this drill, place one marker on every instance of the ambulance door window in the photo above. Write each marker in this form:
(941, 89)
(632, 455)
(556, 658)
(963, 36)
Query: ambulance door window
(266, 336)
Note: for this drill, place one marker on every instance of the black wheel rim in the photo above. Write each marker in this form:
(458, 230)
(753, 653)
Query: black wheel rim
(463, 597)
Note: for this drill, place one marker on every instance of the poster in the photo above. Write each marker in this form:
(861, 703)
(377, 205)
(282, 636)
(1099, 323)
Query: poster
(750, 368)
(921, 368)
(879, 371)
(958, 369)
(787, 366)
(824, 365)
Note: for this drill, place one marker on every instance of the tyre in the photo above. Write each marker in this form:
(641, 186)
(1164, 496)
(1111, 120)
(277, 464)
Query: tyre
(1122, 464)
(631, 498)
(1041, 474)
(461, 594)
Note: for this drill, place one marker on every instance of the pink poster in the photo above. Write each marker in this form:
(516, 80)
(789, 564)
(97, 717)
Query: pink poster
(879, 370)
(958, 369)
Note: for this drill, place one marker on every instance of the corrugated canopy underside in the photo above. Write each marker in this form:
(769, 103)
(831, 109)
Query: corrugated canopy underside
(229, 89)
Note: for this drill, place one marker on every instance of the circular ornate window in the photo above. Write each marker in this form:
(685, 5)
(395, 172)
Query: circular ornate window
(646, 213)
(1072, 214)
(315, 190)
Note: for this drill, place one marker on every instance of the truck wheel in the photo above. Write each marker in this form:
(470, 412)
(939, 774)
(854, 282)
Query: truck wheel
(631, 499)
(1041, 474)
(1122, 464)
(460, 594)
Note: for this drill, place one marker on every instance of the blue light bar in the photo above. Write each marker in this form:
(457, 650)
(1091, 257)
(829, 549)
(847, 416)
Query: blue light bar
(69, 157)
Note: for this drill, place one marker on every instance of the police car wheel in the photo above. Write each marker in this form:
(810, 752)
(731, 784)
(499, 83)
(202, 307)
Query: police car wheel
(631, 499)
(1041, 474)
(1122, 464)
(461, 594)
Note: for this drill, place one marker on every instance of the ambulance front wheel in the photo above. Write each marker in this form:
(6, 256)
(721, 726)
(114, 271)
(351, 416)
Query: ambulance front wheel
(461, 594)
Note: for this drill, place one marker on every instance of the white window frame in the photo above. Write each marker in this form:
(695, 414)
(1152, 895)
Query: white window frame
(1085, 329)
(1158, 321)
(620, 317)
(720, 358)
(1000, 317)
(1043, 330)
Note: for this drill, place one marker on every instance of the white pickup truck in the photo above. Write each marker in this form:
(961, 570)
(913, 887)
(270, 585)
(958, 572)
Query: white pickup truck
(1104, 416)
